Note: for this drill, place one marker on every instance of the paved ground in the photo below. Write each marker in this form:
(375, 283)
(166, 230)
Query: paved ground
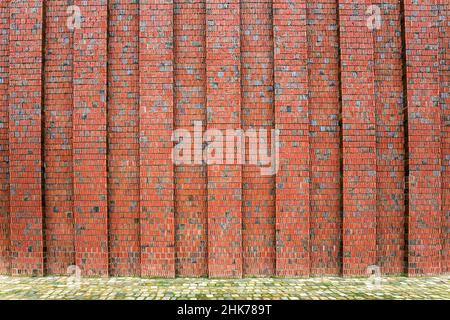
(250, 288)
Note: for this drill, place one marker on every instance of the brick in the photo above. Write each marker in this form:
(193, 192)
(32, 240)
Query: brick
(4, 141)
(191, 216)
(87, 117)
(292, 119)
(424, 135)
(324, 132)
(223, 50)
(58, 157)
(90, 139)
(389, 101)
(25, 137)
(358, 139)
(258, 196)
(123, 138)
(444, 79)
(155, 146)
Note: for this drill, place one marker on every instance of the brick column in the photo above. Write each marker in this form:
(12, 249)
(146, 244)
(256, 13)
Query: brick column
(59, 232)
(325, 199)
(444, 34)
(258, 202)
(123, 137)
(424, 129)
(25, 154)
(291, 118)
(390, 140)
(224, 112)
(156, 127)
(89, 139)
(4, 139)
(359, 141)
(189, 106)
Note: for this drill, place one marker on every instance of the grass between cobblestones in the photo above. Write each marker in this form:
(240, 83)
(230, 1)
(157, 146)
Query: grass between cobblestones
(320, 288)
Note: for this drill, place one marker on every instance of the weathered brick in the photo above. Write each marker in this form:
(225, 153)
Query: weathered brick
(155, 130)
(292, 119)
(358, 138)
(58, 157)
(223, 87)
(25, 137)
(324, 132)
(4, 141)
(424, 137)
(87, 117)
(90, 139)
(123, 138)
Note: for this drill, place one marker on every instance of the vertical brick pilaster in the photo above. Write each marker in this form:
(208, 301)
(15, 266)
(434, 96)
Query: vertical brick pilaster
(390, 139)
(156, 126)
(291, 118)
(89, 139)
(25, 108)
(87, 117)
(223, 112)
(4, 140)
(424, 129)
(325, 198)
(444, 33)
(59, 235)
(189, 106)
(359, 141)
(123, 137)
(258, 191)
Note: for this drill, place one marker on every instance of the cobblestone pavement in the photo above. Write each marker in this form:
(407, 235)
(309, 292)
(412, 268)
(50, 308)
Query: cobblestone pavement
(248, 288)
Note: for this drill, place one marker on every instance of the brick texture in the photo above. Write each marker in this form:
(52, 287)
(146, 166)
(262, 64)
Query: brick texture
(155, 130)
(258, 192)
(358, 137)
(390, 140)
(58, 157)
(4, 140)
(444, 34)
(223, 106)
(190, 106)
(324, 132)
(90, 139)
(424, 131)
(292, 119)
(87, 120)
(123, 138)
(25, 137)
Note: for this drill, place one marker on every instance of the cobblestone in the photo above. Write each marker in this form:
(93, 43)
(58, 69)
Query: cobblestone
(199, 288)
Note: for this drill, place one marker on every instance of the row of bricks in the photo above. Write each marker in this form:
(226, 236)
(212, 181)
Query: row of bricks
(297, 257)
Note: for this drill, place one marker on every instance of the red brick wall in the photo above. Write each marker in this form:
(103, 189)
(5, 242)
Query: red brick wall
(223, 107)
(424, 131)
(390, 140)
(444, 45)
(25, 138)
(58, 154)
(258, 198)
(324, 132)
(156, 91)
(123, 138)
(89, 147)
(190, 105)
(4, 136)
(87, 116)
(358, 138)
